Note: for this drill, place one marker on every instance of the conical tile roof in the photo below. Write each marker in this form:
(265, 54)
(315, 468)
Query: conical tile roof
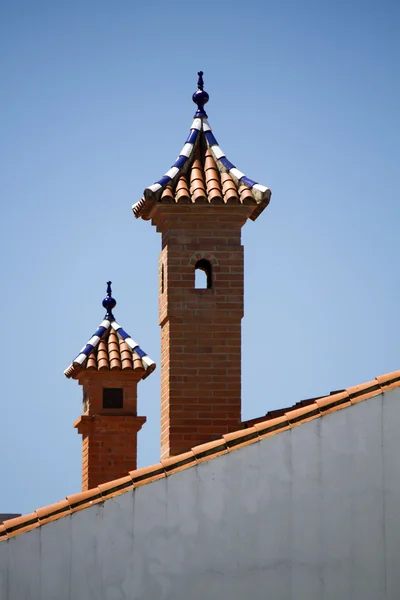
(202, 173)
(110, 348)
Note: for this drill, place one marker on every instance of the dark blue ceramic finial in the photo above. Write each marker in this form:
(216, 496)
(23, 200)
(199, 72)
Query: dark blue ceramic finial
(200, 97)
(109, 303)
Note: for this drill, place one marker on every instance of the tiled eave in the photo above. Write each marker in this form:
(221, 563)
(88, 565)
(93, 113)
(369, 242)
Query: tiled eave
(253, 432)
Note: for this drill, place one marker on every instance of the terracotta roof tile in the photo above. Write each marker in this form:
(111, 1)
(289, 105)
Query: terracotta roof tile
(114, 353)
(281, 412)
(197, 184)
(246, 197)
(389, 381)
(84, 499)
(333, 402)
(102, 356)
(167, 194)
(92, 362)
(209, 450)
(243, 437)
(303, 414)
(3, 532)
(229, 189)
(213, 180)
(364, 391)
(53, 511)
(21, 524)
(115, 487)
(126, 355)
(182, 194)
(146, 474)
(136, 362)
(178, 463)
(271, 424)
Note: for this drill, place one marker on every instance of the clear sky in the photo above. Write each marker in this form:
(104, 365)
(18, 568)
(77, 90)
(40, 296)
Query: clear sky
(95, 106)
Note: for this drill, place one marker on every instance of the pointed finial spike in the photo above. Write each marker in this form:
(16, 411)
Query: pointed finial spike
(109, 303)
(200, 97)
(200, 81)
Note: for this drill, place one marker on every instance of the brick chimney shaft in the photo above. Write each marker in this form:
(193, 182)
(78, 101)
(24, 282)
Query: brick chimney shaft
(200, 328)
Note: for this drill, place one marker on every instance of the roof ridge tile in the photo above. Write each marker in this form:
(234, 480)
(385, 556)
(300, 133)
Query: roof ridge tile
(390, 380)
(151, 473)
(116, 487)
(333, 402)
(272, 426)
(21, 524)
(303, 414)
(174, 464)
(363, 391)
(53, 511)
(83, 499)
(242, 437)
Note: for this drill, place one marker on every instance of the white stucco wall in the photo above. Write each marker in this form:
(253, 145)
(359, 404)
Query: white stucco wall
(311, 513)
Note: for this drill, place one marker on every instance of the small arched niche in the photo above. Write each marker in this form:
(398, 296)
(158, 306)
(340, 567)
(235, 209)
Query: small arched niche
(203, 275)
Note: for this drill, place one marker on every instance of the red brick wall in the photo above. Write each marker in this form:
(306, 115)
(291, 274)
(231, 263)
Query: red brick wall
(109, 448)
(200, 328)
(109, 436)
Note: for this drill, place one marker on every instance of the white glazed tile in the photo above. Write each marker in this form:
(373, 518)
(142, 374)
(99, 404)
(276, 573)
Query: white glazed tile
(236, 173)
(186, 150)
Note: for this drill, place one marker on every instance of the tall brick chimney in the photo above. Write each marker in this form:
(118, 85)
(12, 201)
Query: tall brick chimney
(200, 206)
(109, 368)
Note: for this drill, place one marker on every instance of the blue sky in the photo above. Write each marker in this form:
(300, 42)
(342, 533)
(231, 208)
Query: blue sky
(95, 105)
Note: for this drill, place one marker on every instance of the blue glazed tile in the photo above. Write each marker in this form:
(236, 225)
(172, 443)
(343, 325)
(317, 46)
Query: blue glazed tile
(211, 138)
(192, 137)
(87, 349)
(100, 331)
(139, 351)
(248, 181)
(180, 161)
(122, 333)
(227, 163)
(164, 180)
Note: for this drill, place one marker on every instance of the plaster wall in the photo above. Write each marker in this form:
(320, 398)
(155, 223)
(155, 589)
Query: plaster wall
(311, 513)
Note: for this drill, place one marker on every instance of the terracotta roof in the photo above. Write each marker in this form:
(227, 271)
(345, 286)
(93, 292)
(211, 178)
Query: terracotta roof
(203, 174)
(296, 415)
(110, 347)
(279, 412)
(112, 352)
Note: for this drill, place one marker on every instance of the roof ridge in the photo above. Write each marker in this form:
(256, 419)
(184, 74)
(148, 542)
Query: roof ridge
(187, 152)
(232, 441)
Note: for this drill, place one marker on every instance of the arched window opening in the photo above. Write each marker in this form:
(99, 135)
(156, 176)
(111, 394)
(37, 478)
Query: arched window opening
(162, 278)
(203, 274)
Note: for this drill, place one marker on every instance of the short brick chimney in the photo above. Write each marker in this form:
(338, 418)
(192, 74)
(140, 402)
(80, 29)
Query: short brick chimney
(200, 206)
(109, 368)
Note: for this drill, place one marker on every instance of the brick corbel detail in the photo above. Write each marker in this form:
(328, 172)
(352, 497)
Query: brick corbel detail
(97, 424)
